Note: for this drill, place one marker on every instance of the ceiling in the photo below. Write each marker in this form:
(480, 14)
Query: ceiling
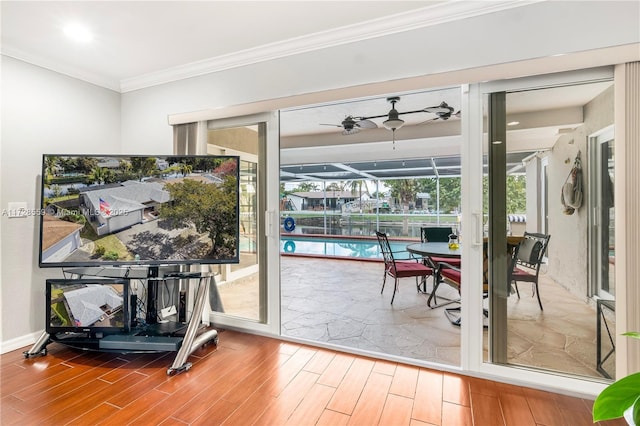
(423, 147)
(137, 44)
(138, 39)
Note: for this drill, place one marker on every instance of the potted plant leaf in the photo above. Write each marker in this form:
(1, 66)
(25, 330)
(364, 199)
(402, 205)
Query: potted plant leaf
(621, 398)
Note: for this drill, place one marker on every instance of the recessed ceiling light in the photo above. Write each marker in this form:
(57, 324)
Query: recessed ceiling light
(78, 32)
(513, 123)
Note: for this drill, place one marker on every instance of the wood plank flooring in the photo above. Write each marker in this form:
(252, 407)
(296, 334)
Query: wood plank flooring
(253, 380)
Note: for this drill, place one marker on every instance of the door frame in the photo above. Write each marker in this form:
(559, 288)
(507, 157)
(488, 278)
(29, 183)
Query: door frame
(472, 300)
(268, 198)
(594, 141)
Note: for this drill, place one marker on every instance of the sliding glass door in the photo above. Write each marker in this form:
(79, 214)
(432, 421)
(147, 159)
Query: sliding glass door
(539, 263)
(243, 298)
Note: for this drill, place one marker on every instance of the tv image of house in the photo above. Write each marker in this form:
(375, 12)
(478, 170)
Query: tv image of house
(92, 303)
(59, 238)
(112, 209)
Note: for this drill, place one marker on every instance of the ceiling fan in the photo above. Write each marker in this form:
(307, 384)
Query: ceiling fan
(352, 125)
(393, 122)
(443, 112)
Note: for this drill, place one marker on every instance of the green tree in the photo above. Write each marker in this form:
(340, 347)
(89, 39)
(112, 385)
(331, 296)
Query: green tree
(50, 168)
(210, 208)
(186, 169)
(125, 166)
(84, 165)
(335, 186)
(306, 187)
(450, 194)
(516, 194)
(57, 191)
(356, 186)
(403, 190)
(143, 166)
(100, 175)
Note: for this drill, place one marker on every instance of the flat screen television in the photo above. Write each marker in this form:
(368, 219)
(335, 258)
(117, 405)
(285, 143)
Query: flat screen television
(100, 210)
(94, 307)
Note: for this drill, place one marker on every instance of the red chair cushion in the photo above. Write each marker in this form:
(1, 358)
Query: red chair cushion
(451, 274)
(413, 269)
(453, 261)
(520, 273)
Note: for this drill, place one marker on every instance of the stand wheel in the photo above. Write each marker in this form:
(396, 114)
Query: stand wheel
(174, 371)
(42, 352)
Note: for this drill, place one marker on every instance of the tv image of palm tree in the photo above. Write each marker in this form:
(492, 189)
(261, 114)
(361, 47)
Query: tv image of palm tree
(210, 208)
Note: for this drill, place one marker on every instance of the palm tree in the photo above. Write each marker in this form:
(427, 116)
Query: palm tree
(186, 169)
(404, 190)
(357, 185)
(51, 163)
(100, 175)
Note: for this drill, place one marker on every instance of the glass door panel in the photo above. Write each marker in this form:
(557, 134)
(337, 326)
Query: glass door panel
(333, 200)
(247, 301)
(239, 284)
(540, 313)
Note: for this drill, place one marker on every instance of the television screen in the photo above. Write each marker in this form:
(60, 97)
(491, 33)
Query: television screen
(139, 210)
(87, 306)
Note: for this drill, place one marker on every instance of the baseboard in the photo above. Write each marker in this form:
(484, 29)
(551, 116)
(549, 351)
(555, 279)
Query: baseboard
(19, 342)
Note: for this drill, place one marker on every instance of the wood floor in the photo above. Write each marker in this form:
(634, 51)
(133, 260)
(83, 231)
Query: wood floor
(252, 380)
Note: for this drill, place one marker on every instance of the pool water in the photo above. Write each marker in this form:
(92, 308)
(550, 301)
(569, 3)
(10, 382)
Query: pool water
(338, 247)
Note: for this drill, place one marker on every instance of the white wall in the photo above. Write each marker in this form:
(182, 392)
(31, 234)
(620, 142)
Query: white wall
(43, 112)
(568, 247)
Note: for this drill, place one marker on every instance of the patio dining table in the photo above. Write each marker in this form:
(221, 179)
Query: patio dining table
(441, 249)
(435, 249)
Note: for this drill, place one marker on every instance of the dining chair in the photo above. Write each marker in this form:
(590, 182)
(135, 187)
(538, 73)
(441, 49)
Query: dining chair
(400, 268)
(451, 275)
(437, 234)
(526, 261)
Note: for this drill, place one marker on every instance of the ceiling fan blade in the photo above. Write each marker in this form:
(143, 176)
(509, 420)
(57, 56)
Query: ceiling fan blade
(334, 125)
(443, 108)
(436, 110)
(366, 124)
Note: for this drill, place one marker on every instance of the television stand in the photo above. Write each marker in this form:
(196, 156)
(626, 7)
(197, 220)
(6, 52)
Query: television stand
(139, 340)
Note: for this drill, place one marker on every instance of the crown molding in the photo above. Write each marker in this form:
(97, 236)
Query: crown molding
(95, 79)
(438, 13)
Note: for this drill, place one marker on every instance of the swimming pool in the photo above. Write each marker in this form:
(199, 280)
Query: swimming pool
(336, 247)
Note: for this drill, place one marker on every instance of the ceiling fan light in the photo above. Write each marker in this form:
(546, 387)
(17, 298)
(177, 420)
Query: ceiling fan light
(393, 123)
